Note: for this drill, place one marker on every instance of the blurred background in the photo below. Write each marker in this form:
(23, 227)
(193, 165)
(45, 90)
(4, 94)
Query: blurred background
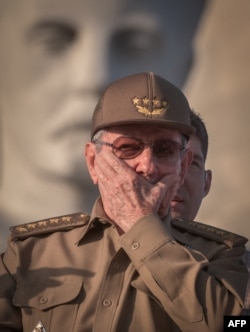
(219, 88)
(56, 56)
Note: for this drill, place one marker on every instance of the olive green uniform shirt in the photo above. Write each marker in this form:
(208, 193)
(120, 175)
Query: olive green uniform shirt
(77, 274)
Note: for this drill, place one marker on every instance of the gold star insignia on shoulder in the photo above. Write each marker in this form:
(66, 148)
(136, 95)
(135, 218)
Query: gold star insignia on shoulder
(49, 225)
(213, 233)
(54, 221)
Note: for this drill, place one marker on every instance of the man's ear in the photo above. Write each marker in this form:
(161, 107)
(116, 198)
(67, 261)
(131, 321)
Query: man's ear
(185, 164)
(208, 182)
(90, 155)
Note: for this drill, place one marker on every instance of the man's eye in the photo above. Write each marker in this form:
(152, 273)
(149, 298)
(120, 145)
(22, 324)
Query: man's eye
(167, 149)
(126, 147)
(53, 37)
(195, 164)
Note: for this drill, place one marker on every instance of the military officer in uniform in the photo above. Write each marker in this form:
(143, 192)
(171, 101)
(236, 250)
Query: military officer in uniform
(198, 179)
(196, 186)
(128, 266)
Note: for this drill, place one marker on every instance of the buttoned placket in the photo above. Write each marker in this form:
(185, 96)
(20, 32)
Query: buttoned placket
(110, 292)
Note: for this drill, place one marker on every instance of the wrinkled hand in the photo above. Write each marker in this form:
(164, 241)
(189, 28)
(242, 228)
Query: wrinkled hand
(128, 196)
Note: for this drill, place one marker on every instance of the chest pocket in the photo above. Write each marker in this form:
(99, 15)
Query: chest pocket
(53, 302)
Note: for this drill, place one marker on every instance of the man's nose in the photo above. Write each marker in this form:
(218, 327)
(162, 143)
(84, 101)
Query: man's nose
(147, 162)
(90, 61)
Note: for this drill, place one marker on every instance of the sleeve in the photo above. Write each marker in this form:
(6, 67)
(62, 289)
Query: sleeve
(10, 316)
(194, 291)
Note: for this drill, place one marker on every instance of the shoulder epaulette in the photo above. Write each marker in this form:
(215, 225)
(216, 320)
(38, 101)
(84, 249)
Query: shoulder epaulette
(207, 231)
(50, 225)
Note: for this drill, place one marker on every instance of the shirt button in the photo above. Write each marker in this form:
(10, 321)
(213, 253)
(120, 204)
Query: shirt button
(43, 300)
(107, 303)
(135, 246)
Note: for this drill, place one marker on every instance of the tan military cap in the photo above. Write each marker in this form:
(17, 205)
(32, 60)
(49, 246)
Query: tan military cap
(142, 98)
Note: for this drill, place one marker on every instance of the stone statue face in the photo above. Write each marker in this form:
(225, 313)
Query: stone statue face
(56, 57)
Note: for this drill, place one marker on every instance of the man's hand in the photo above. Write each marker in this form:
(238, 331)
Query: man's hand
(128, 196)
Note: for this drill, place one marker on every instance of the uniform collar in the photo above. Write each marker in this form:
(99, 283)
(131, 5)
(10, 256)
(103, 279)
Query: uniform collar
(97, 217)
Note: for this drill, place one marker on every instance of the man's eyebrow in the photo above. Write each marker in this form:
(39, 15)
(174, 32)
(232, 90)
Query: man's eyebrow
(50, 25)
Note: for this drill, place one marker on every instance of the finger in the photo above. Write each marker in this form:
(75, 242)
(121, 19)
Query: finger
(107, 160)
(116, 169)
(167, 181)
(165, 190)
(104, 168)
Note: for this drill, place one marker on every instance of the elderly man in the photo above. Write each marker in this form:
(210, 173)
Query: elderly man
(128, 266)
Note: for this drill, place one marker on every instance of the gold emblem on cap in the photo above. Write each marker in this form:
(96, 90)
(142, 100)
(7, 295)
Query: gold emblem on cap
(150, 107)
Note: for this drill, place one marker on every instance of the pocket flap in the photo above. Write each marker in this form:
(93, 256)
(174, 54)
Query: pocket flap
(46, 294)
